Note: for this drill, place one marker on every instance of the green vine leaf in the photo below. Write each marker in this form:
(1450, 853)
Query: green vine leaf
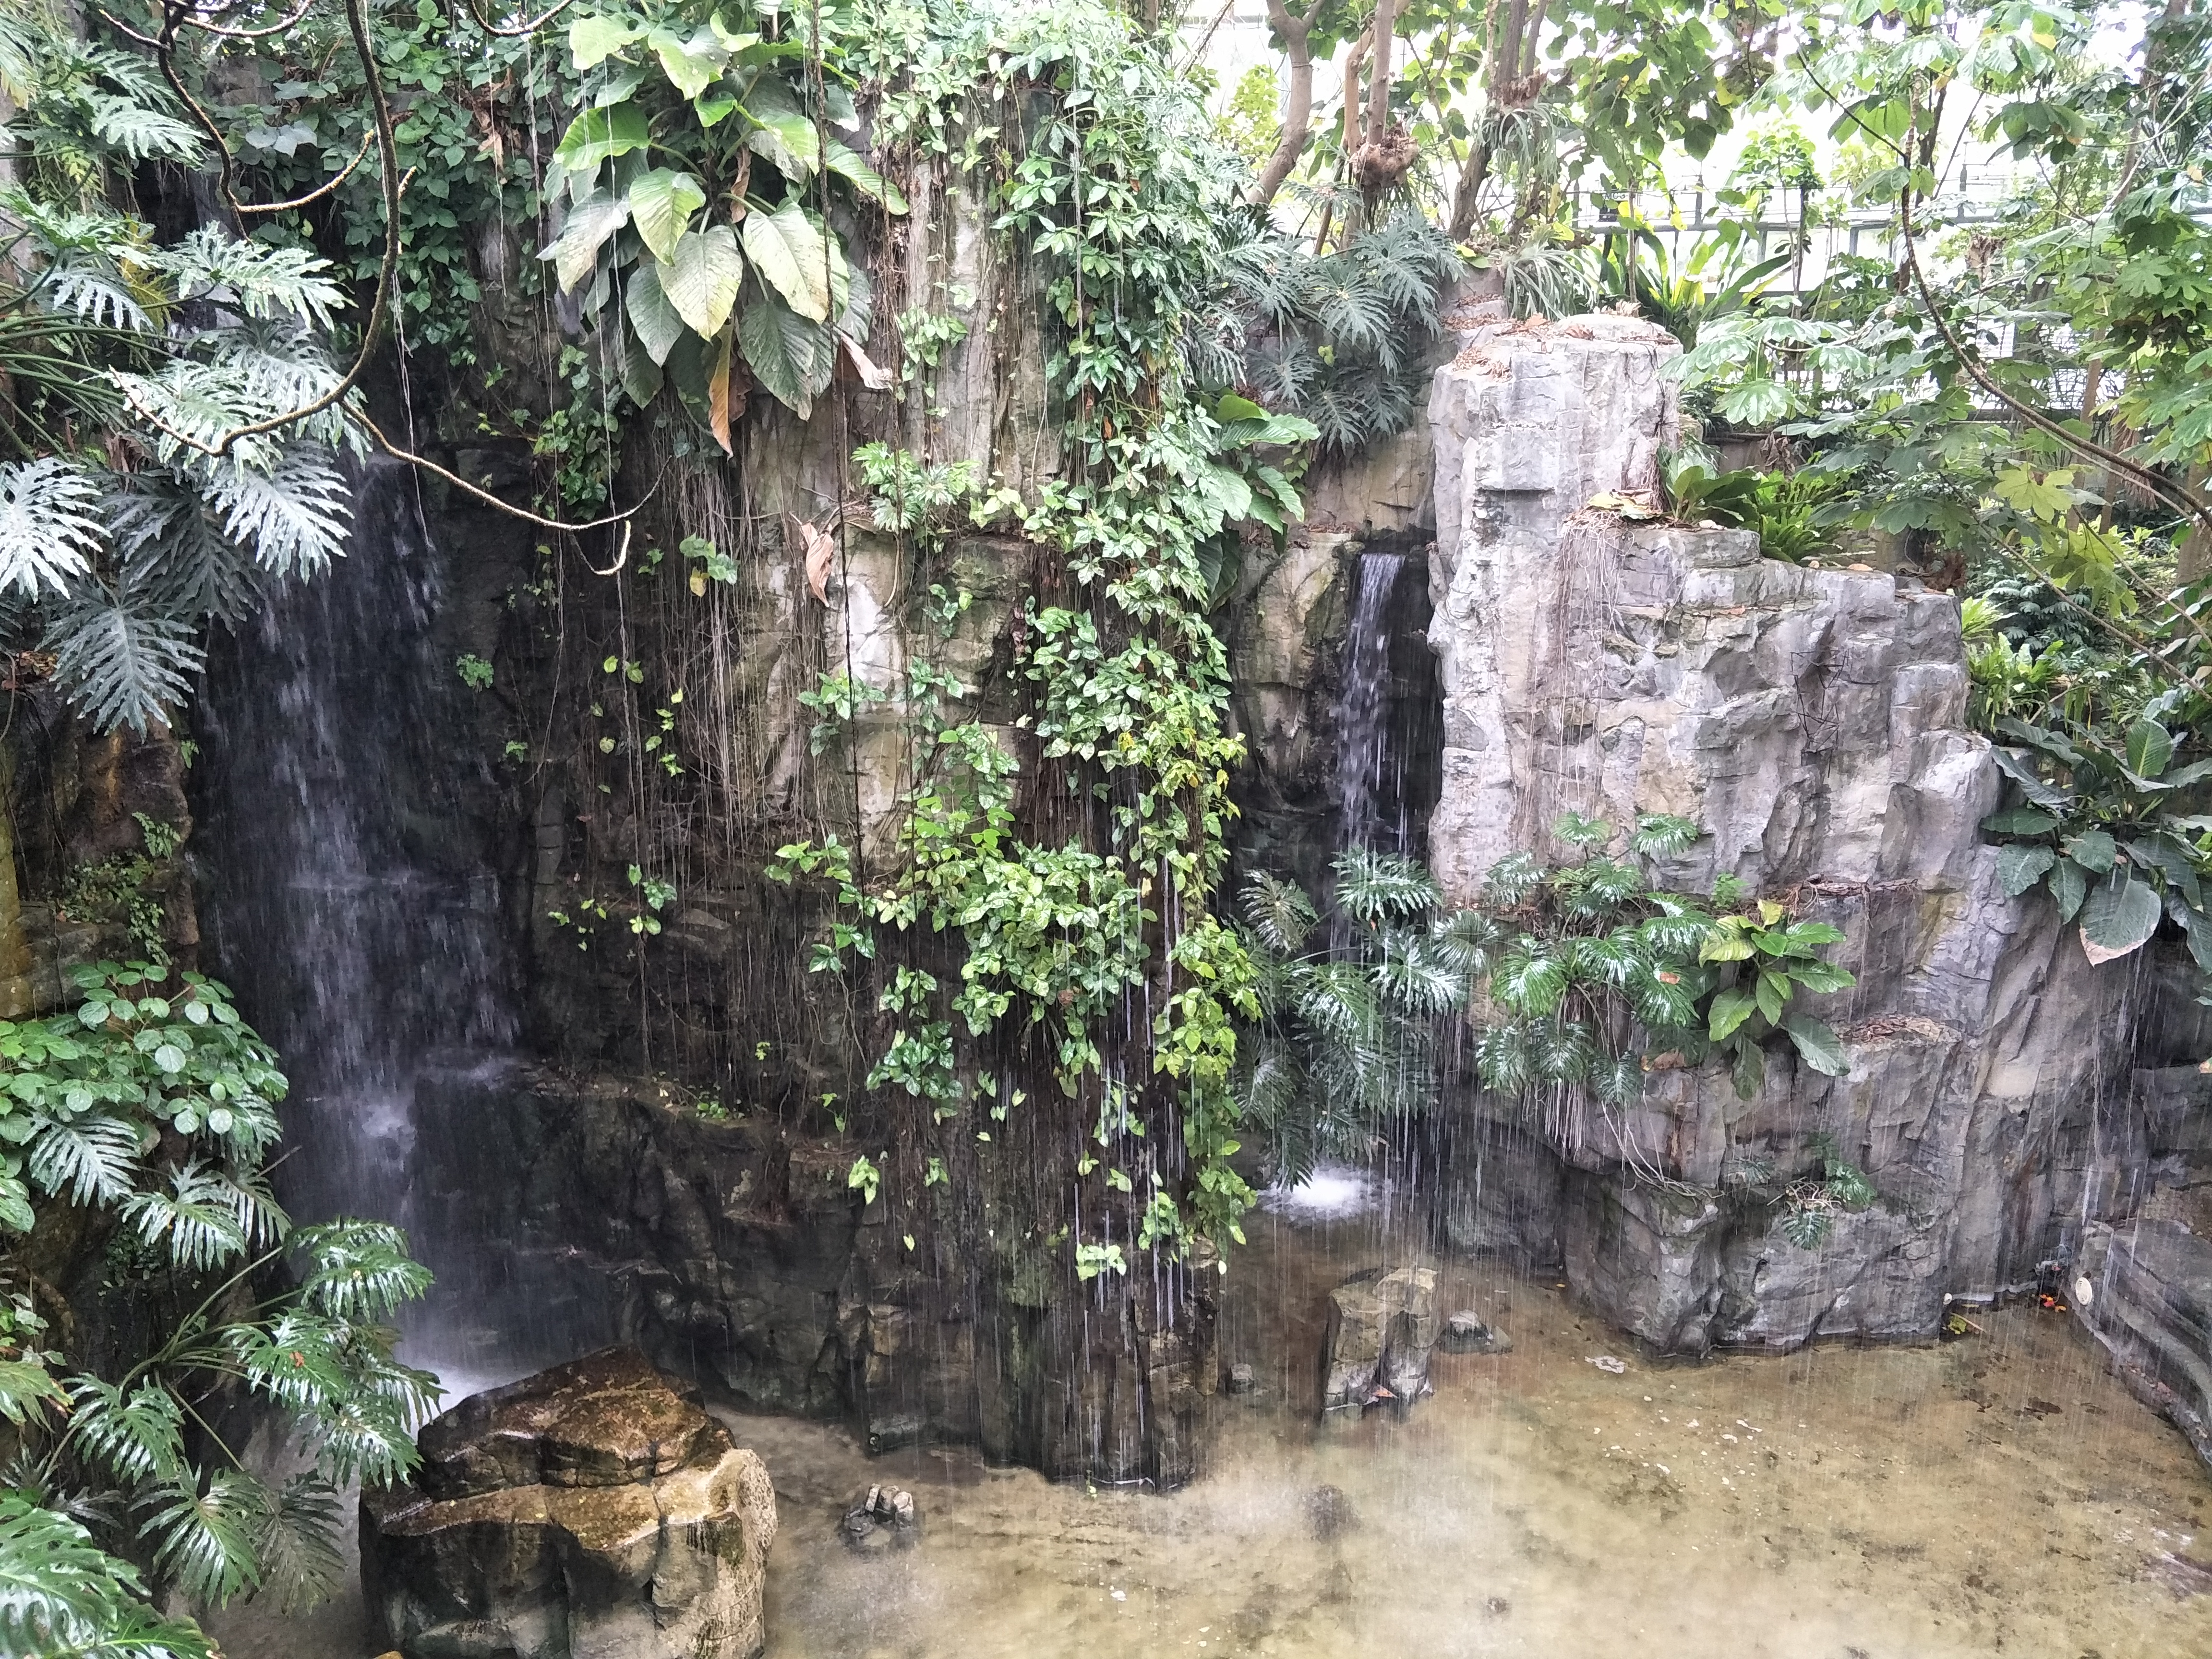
(1817, 1044)
(781, 349)
(2020, 868)
(850, 166)
(2070, 885)
(592, 39)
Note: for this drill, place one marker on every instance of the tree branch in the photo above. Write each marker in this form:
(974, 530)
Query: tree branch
(1296, 34)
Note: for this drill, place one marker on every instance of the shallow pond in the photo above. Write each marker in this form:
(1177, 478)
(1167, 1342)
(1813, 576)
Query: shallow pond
(1998, 1494)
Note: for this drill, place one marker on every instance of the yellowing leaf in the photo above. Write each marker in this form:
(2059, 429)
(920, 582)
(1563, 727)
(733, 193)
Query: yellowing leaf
(661, 203)
(790, 254)
(2043, 498)
(701, 281)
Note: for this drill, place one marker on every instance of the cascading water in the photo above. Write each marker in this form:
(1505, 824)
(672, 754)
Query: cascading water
(1386, 710)
(351, 903)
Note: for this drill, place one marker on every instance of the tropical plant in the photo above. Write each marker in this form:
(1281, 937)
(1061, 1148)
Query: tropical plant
(168, 408)
(1576, 980)
(1635, 266)
(2107, 827)
(1341, 339)
(153, 1104)
(696, 225)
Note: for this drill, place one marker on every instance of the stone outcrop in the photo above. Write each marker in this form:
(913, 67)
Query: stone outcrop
(591, 1511)
(1383, 1327)
(1813, 722)
(2148, 1300)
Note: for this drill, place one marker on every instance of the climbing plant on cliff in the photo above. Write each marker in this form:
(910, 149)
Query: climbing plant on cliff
(1096, 942)
(150, 1107)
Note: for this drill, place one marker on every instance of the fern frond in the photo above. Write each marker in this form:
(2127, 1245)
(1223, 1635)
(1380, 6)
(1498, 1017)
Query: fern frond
(49, 528)
(123, 661)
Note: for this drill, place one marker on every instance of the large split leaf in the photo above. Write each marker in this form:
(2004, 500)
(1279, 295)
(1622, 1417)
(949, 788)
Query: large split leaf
(661, 203)
(792, 256)
(2119, 916)
(701, 281)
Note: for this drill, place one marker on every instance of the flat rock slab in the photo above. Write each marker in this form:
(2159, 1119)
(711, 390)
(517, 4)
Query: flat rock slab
(591, 1511)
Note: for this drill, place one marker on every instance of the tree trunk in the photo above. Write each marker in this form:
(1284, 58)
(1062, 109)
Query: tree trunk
(1297, 110)
(1378, 79)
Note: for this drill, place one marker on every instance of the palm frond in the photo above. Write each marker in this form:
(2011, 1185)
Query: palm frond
(355, 1269)
(61, 1593)
(197, 1220)
(1374, 887)
(297, 1543)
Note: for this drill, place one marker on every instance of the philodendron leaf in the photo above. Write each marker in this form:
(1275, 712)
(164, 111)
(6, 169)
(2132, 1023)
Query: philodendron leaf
(2070, 885)
(661, 203)
(1729, 1010)
(786, 138)
(2019, 821)
(784, 351)
(2119, 916)
(2150, 747)
(2093, 850)
(1816, 1041)
(657, 326)
(691, 64)
(592, 39)
(791, 254)
(701, 281)
(598, 134)
(1749, 1071)
(2020, 868)
(852, 167)
(590, 223)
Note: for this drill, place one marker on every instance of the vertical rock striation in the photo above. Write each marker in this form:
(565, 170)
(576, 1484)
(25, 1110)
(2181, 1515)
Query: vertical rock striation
(1813, 722)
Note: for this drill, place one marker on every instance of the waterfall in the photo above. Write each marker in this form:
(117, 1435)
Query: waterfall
(1386, 717)
(351, 900)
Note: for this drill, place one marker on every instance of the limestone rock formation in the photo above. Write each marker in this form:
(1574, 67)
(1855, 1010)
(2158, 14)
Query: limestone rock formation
(1813, 722)
(591, 1511)
(1382, 1327)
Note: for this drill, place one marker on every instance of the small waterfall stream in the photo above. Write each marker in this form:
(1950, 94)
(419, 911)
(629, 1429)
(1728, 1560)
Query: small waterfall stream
(352, 900)
(1387, 743)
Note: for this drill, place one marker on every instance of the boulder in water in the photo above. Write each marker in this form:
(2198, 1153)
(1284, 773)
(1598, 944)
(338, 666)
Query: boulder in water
(592, 1509)
(886, 1516)
(1381, 1328)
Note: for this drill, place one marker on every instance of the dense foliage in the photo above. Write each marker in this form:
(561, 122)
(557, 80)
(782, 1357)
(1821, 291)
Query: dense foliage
(150, 1107)
(1568, 985)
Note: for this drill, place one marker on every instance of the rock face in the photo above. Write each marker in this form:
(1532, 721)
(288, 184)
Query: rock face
(1813, 723)
(591, 1511)
(1382, 1329)
(2150, 1304)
